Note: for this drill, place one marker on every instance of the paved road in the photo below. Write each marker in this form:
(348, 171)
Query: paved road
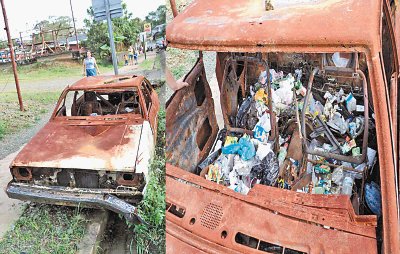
(10, 209)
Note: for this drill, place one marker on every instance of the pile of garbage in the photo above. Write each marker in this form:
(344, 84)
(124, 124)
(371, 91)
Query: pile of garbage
(276, 156)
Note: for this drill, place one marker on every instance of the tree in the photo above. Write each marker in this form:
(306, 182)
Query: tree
(61, 26)
(157, 17)
(125, 28)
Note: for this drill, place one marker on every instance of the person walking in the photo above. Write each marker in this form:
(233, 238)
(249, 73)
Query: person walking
(90, 67)
(130, 55)
(126, 59)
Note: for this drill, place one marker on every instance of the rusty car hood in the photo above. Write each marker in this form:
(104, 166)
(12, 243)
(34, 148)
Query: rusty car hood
(106, 146)
(245, 25)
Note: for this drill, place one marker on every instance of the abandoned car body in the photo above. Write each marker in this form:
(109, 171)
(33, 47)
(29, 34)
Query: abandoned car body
(95, 149)
(328, 89)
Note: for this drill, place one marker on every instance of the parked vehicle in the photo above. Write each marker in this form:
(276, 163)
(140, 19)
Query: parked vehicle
(160, 43)
(304, 55)
(96, 148)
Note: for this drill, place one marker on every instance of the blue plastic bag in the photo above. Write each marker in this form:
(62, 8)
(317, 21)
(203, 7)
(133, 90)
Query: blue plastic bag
(244, 148)
(260, 133)
(373, 198)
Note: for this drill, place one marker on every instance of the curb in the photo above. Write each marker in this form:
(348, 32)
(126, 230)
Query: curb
(94, 232)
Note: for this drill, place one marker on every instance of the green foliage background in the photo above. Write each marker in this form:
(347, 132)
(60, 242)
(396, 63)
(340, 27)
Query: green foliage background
(126, 30)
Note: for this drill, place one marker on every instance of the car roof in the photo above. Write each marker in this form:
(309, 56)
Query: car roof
(107, 81)
(246, 25)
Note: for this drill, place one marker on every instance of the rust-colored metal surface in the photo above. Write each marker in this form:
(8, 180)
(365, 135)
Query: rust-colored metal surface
(91, 142)
(107, 81)
(191, 124)
(99, 147)
(246, 26)
(92, 160)
(214, 215)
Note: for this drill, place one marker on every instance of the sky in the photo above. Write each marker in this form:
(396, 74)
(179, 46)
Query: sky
(23, 14)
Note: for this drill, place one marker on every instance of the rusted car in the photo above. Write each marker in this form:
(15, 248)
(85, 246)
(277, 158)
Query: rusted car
(96, 148)
(332, 47)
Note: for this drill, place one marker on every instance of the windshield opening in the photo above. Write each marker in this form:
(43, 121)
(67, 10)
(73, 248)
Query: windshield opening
(100, 103)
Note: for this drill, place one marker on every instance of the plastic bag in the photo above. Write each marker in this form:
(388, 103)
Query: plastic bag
(262, 128)
(245, 148)
(243, 109)
(260, 134)
(284, 92)
(337, 175)
(351, 103)
(263, 150)
(267, 171)
(373, 198)
(261, 95)
(338, 123)
(242, 167)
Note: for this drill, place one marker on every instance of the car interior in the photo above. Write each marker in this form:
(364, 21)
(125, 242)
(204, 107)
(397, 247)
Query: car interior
(100, 103)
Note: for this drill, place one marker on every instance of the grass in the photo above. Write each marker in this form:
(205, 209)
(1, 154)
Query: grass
(180, 62)
(48, 70)
(151, 64)
(151, 239)
(45, 229)
(36, 104)
(42, 71)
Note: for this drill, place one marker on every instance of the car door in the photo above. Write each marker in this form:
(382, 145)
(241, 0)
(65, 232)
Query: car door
(390, 61)
(191, 126)
(152, 104)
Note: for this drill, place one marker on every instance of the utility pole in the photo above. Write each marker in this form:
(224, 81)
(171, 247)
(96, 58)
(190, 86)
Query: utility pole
(144, 45)
(111, 34)
(73, 20)
(20, 38)
(14, 64)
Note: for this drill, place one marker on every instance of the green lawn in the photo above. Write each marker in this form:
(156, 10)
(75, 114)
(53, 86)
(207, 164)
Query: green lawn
(42, 71)
(36, 104)
(45, 229)
(48, 70)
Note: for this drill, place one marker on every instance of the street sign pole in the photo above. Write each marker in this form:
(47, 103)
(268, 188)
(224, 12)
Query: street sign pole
(111, 34)
(144, 47)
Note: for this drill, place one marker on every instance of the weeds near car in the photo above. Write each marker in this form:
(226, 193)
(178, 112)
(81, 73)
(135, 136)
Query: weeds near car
(151, 239)
(45, 229)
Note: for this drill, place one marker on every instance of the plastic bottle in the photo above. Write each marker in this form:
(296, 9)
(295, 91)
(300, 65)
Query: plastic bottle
(282, 153)
(347, 187)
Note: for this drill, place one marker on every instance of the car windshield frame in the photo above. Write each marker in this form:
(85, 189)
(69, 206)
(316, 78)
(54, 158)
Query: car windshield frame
(110, 117)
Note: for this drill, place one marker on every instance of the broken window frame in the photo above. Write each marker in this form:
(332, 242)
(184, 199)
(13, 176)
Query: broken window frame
(257, 59)
(63, 96)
